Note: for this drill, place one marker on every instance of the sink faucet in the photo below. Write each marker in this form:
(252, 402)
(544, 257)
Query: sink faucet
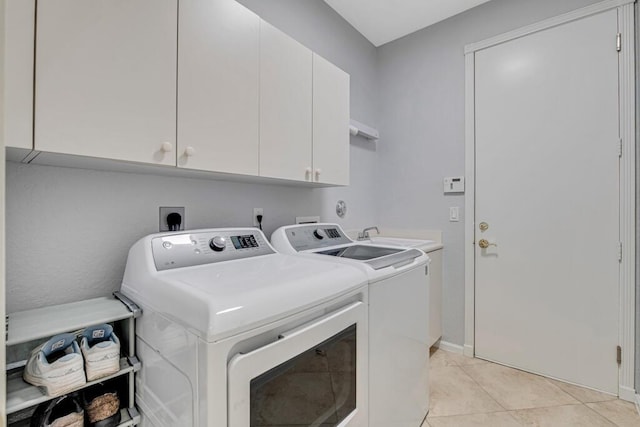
(364, 235)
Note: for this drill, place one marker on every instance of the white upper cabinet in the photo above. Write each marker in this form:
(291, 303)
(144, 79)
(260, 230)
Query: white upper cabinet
(330, 123)
(18, 72)
(218, 95)
(285, 106)
(205, 86)
(106, 79)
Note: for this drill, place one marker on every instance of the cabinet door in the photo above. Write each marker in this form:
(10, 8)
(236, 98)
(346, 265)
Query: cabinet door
(18, 72)
(218, 86)
(285, 106)
(106, 79)
(330, 123)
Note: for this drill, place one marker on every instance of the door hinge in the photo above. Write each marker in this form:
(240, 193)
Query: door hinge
(619, 355)
(619, 42)
(619, 251)
(620, 148)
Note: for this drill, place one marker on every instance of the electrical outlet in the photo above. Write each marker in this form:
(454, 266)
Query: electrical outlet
(165, 211)
(256, 212)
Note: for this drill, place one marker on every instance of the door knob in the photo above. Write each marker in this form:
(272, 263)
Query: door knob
(484, 243)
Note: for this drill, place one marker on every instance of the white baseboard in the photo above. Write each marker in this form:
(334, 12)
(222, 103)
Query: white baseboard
(626, 393)
(447, 346)
(638, 403)
(468, 350)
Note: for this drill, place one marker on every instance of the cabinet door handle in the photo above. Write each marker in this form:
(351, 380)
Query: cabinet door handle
(166, 147)
(307, 173)
(318, 172)
(189, 151)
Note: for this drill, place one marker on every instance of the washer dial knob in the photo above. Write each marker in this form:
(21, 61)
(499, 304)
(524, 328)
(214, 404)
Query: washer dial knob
(319, 234)
(218, 243)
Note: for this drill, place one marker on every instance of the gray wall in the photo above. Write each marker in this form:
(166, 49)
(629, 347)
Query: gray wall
(69, 230)
(421, 111)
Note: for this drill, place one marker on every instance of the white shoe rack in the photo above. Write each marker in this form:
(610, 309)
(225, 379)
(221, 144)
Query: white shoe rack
(25, 330)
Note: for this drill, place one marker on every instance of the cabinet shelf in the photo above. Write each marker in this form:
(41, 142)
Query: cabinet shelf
(22, 395)
(30, 325)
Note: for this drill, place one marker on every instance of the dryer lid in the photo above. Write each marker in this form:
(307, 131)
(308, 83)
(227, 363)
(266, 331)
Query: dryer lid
(220, 300)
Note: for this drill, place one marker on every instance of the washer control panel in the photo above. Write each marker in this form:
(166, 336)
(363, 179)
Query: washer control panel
(187, 249)
(314, 236)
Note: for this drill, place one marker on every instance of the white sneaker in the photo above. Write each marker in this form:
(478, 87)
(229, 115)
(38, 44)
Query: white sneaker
(101, 350)
(56, 366)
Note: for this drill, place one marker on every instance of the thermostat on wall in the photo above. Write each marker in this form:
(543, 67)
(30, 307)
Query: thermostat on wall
(454, 184)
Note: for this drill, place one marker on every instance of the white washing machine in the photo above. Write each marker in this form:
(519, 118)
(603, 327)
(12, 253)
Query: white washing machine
(398, 316)
(235, 334)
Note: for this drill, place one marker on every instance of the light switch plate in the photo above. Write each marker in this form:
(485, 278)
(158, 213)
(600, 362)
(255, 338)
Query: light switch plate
(454, 184)
(454, 214)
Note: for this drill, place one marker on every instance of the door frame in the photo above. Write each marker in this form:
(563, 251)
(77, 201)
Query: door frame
(3, 376)
(627, 275)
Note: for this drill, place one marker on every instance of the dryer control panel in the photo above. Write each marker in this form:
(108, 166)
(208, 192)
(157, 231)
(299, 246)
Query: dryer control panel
(315, 236)
(187, 249)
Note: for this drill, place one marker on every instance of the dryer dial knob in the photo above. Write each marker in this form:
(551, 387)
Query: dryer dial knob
(319, 234)
(218, 243)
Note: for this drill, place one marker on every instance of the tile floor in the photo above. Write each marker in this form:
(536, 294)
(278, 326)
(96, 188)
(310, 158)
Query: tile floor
(467, 392)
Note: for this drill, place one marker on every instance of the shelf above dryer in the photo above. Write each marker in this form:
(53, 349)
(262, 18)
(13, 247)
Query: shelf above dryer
(360, 129)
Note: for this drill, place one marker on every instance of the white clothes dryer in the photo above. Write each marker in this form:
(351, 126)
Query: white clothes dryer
(398, 316)
(235, 334)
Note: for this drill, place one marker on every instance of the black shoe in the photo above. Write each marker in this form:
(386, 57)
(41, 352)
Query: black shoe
(102, 406)
(63, 411)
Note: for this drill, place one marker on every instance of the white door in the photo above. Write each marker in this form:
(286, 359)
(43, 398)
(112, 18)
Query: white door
(285, 106)
(105, 80)
(218, 87)
(330, 123)
(547, 179)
